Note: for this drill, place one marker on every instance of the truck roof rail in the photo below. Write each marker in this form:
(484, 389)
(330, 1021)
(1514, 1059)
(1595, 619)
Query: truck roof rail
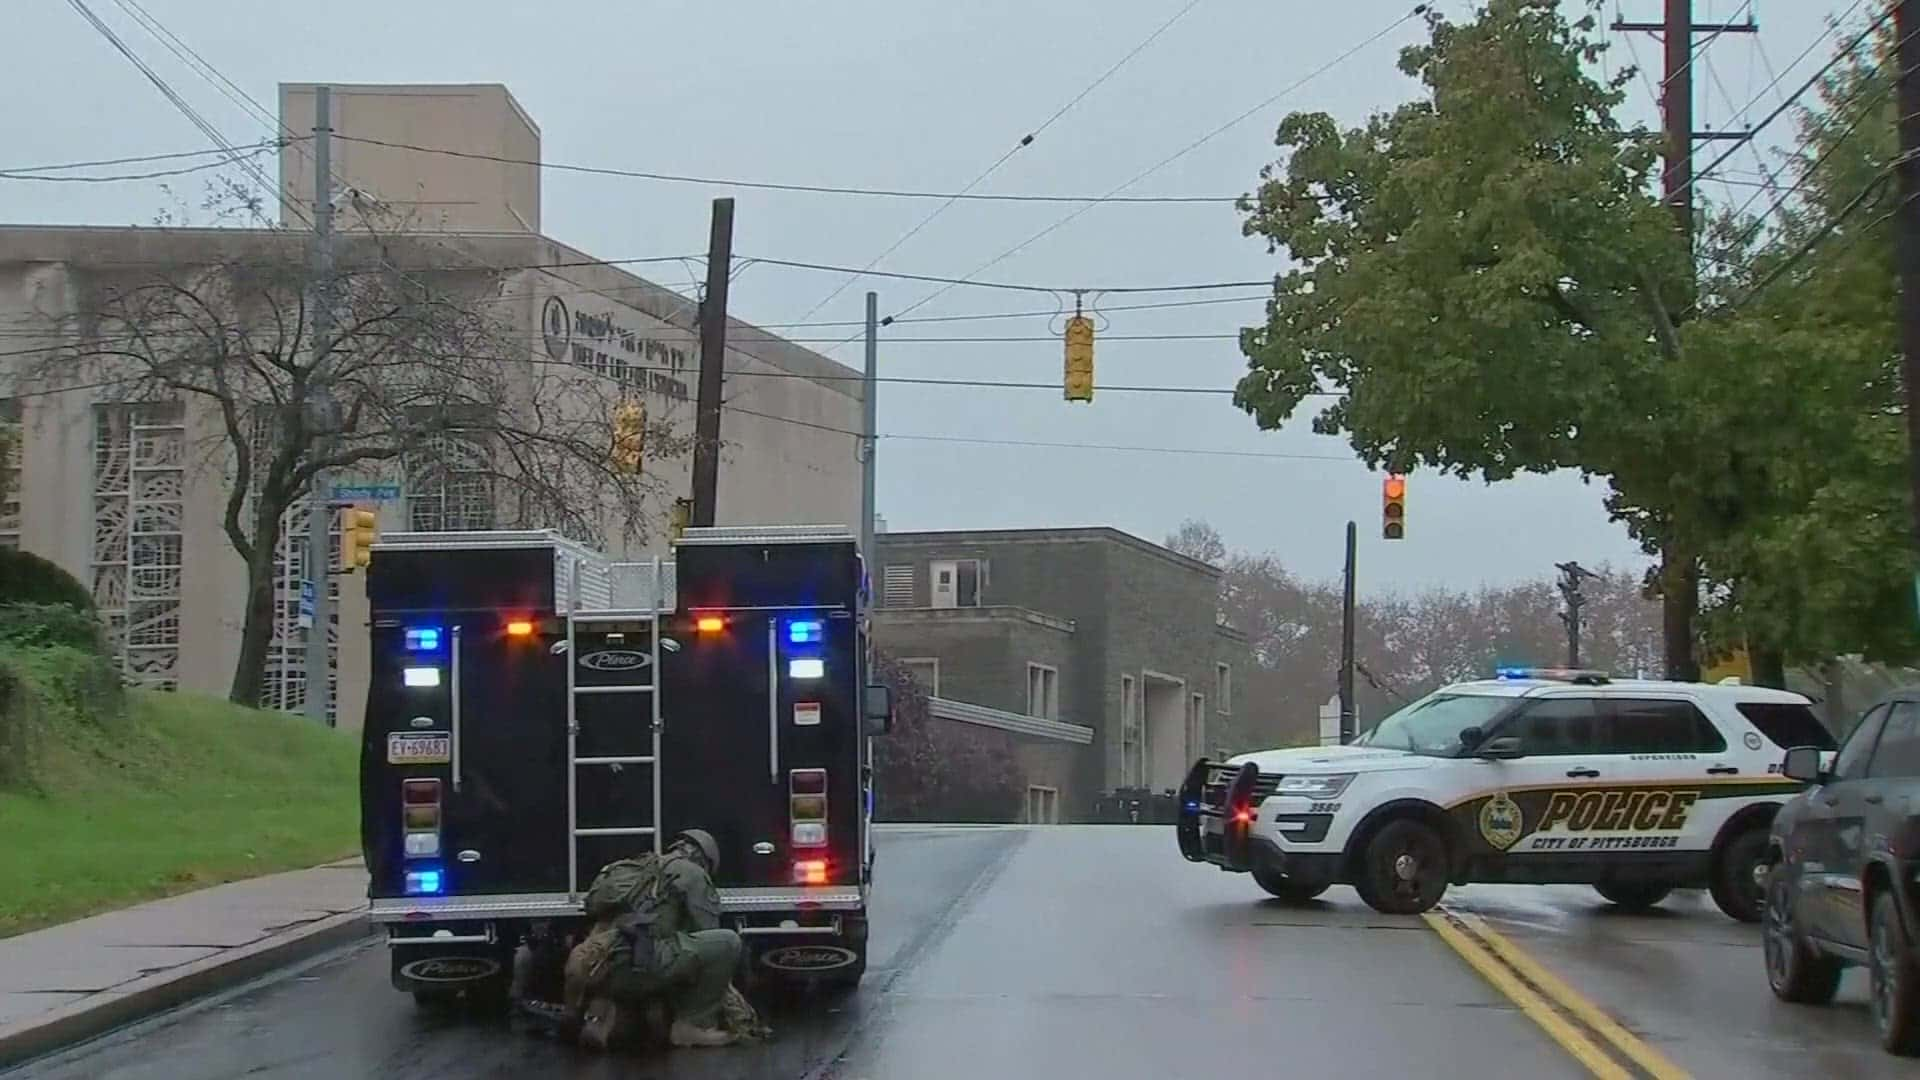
(767, 534)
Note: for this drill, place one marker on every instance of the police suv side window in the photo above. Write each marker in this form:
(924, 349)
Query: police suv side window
(1852, 762)
(1557, 726)
(1898, 754)
(1658, 726)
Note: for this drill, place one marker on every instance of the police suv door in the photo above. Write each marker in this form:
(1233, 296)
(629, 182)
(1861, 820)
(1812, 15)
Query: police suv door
(1676, 758)
(1512, 798)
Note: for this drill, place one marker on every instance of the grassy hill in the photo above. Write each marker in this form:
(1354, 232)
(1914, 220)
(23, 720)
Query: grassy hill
(113, 799)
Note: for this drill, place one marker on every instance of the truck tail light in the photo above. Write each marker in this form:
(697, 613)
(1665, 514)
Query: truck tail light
(807, 812)
(420, 822)
(810, 872)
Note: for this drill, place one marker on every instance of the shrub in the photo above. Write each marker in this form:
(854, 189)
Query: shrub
(28, 578)
(43, 688)
(42, 625)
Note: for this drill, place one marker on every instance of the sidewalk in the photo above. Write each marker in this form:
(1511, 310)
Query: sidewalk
(74, 981)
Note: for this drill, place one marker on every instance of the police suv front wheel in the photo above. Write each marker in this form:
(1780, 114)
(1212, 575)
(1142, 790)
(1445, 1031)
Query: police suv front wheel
(1403, 868)
(1632, 895)
(1293, 890)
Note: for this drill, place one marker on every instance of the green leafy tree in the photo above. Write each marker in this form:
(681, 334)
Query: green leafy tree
(1483, 282)
(1795, 369)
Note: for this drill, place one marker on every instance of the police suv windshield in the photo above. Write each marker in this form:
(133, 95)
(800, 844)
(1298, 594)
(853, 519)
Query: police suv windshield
(1432, 725)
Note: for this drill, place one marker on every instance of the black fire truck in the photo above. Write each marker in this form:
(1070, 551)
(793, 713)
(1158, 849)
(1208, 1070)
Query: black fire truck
(536, 711)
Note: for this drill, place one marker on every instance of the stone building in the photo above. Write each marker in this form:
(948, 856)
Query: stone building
(119, 495)
(1091, 628)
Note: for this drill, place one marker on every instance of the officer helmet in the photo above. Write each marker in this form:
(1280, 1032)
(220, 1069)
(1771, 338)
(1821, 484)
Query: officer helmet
(701, 840)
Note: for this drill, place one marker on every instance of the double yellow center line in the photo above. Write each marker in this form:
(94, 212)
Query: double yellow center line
(1582, 1029)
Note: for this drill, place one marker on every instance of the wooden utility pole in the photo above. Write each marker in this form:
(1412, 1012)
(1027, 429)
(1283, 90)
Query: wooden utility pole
(1906, 23)
(1679, 576)
(713, 363)
(1348, 713)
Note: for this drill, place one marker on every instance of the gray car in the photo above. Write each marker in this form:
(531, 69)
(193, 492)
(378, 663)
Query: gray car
(1843, 887)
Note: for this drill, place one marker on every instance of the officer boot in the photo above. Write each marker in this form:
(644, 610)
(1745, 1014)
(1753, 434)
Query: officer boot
(597, 1028)
(687, 1034)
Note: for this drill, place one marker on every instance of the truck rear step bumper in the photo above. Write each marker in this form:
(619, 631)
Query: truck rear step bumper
(560, 905)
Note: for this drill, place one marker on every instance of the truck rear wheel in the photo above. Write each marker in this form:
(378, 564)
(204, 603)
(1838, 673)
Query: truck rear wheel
(1290, 889)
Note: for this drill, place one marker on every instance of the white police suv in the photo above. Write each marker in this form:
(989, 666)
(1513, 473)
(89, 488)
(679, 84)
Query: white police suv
(1541, 776)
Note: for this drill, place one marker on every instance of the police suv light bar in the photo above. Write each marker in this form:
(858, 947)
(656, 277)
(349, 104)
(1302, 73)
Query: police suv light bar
(1572, 675)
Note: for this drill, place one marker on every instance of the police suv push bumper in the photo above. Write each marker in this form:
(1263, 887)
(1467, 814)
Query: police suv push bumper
(1217, 810)
(1223, 807)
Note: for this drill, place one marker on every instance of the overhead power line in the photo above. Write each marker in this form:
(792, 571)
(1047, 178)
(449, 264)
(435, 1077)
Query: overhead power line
(1787, 103)
(1029, 314)
(1116, 195)
(771, 185)
(952, 281)
(156, 174)
(1268, 454)
(141, 159)
(233, 154)
(1024, 142)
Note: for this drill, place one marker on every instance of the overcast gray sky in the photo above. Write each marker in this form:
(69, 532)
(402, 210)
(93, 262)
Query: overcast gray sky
(920, 94)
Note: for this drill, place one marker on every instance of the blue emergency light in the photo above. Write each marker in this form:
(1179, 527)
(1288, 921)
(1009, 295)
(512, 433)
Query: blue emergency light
(423, 882)
(423, 639)
(805, 631)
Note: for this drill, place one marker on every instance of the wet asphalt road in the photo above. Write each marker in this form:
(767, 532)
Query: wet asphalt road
(1690, 981)
(1092, 951)
(1074, 951)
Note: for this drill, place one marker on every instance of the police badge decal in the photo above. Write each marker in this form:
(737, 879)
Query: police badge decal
(1501, 821)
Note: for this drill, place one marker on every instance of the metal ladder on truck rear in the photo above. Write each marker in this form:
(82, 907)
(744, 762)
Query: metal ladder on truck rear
(648, 687)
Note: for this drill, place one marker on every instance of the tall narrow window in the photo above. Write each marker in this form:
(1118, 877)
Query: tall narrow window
(1043, 692)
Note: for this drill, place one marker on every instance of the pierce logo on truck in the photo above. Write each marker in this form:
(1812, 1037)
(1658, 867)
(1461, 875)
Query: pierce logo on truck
(451, 969)
(808, 958)
(615, 660)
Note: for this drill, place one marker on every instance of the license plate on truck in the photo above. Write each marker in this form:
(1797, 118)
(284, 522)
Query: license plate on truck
(419, 748)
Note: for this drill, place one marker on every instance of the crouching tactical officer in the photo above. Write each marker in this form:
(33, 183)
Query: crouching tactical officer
(693, 958)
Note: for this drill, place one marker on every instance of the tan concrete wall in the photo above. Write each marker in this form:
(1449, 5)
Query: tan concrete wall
(433, 192)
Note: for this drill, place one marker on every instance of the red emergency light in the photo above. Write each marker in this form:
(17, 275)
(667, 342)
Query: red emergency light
(520, 628)
(810, 872)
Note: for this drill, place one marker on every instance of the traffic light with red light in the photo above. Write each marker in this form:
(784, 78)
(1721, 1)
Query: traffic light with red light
(1393, 507)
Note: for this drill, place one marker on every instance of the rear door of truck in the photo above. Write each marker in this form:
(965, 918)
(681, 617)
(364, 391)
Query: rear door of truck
(761, 725)
(464, 754)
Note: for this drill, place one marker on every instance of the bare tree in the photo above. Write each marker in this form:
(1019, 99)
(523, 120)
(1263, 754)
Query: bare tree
(1197, 539)
(423, 376)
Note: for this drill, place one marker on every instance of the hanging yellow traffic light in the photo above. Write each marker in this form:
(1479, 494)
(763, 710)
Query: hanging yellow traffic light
(1393, 507)
(629, 435)
(1079, 374)
(359, 527)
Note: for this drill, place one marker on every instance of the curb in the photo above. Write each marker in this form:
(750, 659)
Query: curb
(130, 1001)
